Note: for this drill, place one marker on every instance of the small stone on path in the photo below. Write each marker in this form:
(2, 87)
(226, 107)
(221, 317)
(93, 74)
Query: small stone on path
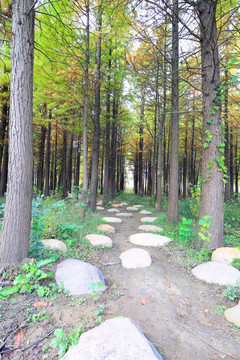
(54, 244)
(77, 276)
(100, 202)
(108, 228)
(124, 204)
(225, 254)
(148, 219)
(138, 206)
(117, 205)
(125, 214)
(233, 314)
(146, 239)
(112, 219)
(100, 208)
(113, 210)
(145, 212)
(97, 240)
(214, 272)
(132, 208)
(150, 228)
(114, 339)
(135, 258)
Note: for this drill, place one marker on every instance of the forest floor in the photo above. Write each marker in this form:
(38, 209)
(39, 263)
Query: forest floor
(176, 312)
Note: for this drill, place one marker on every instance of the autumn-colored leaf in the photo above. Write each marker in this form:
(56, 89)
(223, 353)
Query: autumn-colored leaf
(18, 337)
(143, 301)
(39, 303)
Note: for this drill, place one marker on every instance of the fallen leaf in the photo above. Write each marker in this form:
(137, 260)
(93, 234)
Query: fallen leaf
(18, 337)
(143, 301)
(39, 303)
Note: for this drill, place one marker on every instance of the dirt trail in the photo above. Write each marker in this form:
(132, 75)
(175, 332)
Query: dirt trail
(179, 316)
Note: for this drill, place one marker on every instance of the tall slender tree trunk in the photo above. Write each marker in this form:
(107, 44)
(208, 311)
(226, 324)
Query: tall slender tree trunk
(155, 133)
(48, 155)
(185, 161)
(112, 172)
(69, 168)
(41, 159)
(173, 208)
(63, 174)
(96, 134)
(14, 237)
(55, 158)
(236, 165)
(3, 182)
(3, 129)
(140, 155)
(77, 175)
(212, 192)
(231, 159)
(227, 185)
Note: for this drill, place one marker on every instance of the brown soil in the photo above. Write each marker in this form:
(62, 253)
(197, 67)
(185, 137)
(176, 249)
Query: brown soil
(179, 316)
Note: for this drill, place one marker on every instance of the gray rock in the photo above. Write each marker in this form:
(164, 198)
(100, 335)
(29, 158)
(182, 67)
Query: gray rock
(147, 239)
(77, 276)
(125, 214)
(112, 219)
(138, 206)
(135, 258)
(97, 240)
(106, 227)
(145, 212)
(114, 339)
(214, 272)
(100, 208)
(114, 210)
(54, 244)
(100, 202)
(148, 219)
(132, 208)
(150, 228)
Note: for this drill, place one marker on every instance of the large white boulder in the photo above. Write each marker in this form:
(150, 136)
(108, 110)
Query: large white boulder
(77, 276)
(225, 254)
(135, 258)
(233, 314)
(147, 239)
(97, 240)
(112, 219)
(214, 272)
(54, 244)
(114, 339)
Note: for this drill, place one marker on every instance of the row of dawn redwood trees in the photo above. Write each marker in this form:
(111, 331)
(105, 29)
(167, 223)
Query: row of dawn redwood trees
(64, 143)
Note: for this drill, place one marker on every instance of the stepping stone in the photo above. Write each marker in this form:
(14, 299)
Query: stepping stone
(113, 210)
(117, 205)
(138, 206)
(225, 254)
(135, 258)
(114, 339)
(148, 219)
(97, 240)
(100, 208)
(145, 212)
(132, 208)
(233, 314)
(125, 214)
(124, 204)
(100, 202)
(54, 244)
(150, 228)
(112, 219)
(77, 276)
(108, 228)
(214, 272)
(146, 239)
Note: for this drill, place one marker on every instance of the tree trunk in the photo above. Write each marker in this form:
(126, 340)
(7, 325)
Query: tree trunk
(212, 192)
(173, 208)
(96, 134)
(3, 182)
(48, 155)
(77, 175)
(236, 166)
(112, 172)
(136, 173)
(3, 129)
(227, 185)
(69, 169)
(63, 174)
(185, 161)
(140, 155)
(41, 159)
(14, 238)
(231, 160)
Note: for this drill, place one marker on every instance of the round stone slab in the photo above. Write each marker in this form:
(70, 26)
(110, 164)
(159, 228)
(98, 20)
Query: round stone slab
(233, 314)
(77, 276)
(113, 210)
(108, 228)
(97, 240)
(135, 258)
(145, 212)
(100, 208)
(125, 214)
(132, 208)
(214, 272)
(146, 239)
(150, 228)
(112, 219)
(225, 254)
(148, 219)
(114, 339)
(54, 244)
(117, 205)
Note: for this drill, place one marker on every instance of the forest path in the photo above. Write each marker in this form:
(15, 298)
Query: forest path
(179, 316)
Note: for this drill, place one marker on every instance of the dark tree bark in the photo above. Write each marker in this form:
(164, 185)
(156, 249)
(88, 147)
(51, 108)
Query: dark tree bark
(140, 155)
(77, 175)
(96, 134)
(3, 182)
(135, 175)
(192, 162)
(231, 160)
(55, 158)
(113, 156)
(63, 174)
(41, 159)
(173, 208)
(212, 192)
(3, 127)
(14, 238)
(69, 168)
(227, 185)
(47, 159)
(236, 165)
(185, 161)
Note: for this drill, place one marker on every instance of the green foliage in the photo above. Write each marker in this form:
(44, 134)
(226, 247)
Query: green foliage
(29, 281)
(185, 229)
(38, 317)
(64, 342)
(95, 290)
(220, 309)
(205, 223)
(232, 292)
